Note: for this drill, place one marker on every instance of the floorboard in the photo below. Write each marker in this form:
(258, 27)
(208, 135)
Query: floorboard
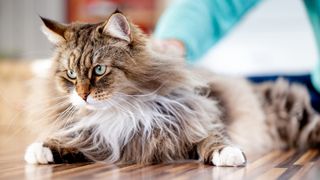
(274, 165)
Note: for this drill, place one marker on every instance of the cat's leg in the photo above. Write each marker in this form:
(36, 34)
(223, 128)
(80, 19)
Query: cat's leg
(217, 149)
(36, 153)
(52, 151)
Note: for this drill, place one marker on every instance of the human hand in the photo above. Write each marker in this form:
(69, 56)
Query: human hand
(171, 47)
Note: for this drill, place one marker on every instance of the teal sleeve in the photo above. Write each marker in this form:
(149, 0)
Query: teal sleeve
(313, 9)
(199, 24)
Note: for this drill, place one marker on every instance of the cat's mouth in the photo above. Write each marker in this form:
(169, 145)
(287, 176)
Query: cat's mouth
(89, 103)
(94, 104)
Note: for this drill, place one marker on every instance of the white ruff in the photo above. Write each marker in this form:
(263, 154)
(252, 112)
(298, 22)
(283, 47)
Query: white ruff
(112, 128)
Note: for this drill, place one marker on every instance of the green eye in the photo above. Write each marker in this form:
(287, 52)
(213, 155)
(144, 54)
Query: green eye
(71, 74)
(100, 70)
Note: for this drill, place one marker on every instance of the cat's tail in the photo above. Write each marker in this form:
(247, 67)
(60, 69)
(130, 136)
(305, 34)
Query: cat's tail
(292, 122)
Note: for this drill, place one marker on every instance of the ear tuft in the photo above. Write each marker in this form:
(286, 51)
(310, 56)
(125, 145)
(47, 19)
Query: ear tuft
(118, 27)
(53, 30)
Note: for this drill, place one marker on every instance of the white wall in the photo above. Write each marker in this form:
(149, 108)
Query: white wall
(275, 37)
(20, 33)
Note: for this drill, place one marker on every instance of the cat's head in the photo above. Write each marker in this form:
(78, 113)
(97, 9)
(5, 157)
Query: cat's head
(96, 62)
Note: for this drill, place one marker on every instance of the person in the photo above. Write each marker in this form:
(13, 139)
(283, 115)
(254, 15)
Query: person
(190, 28)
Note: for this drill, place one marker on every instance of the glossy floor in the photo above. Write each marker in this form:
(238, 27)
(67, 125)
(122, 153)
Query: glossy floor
(274, 165)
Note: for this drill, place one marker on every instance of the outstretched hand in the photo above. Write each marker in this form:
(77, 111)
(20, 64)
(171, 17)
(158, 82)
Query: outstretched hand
(169, 47)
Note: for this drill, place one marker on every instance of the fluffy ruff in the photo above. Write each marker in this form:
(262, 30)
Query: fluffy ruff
(143, 128)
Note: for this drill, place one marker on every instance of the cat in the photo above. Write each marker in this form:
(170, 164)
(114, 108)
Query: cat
(110, 97)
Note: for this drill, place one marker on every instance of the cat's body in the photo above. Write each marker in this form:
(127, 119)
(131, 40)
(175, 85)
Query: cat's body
(118, 101)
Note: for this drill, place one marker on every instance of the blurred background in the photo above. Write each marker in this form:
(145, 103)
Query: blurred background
(274, 30)
(20, 24)
(275, 37)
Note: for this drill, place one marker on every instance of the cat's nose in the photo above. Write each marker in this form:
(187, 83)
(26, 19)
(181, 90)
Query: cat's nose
(84, 96)
(83, 89)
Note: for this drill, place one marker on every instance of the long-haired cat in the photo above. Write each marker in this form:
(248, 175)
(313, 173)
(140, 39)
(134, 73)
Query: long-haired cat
(109, 97)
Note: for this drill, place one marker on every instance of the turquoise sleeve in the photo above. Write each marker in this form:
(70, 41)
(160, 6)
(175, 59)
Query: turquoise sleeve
(313, 9)
(199, 24)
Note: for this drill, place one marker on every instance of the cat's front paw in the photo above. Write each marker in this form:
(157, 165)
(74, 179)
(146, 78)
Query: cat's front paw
(228, 156)
(36, 153)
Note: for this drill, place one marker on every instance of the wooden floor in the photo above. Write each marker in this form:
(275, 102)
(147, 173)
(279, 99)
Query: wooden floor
(274, 165)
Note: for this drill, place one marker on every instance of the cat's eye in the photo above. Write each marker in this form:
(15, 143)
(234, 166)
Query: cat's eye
(71, 74)
(100, 70)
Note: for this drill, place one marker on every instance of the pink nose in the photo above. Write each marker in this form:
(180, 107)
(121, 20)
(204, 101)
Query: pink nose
(84, 96)
(83, 90)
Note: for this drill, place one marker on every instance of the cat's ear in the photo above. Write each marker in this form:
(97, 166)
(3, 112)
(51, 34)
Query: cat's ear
(53, 30)
(118, 27)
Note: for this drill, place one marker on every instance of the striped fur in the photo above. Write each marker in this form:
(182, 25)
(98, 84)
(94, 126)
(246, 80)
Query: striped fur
(147, 108)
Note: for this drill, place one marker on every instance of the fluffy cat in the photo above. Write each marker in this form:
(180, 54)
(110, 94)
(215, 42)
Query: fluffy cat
(110, 98)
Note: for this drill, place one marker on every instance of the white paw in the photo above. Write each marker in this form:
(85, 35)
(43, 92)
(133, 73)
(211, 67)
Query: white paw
(37, 154)
(228, 156)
